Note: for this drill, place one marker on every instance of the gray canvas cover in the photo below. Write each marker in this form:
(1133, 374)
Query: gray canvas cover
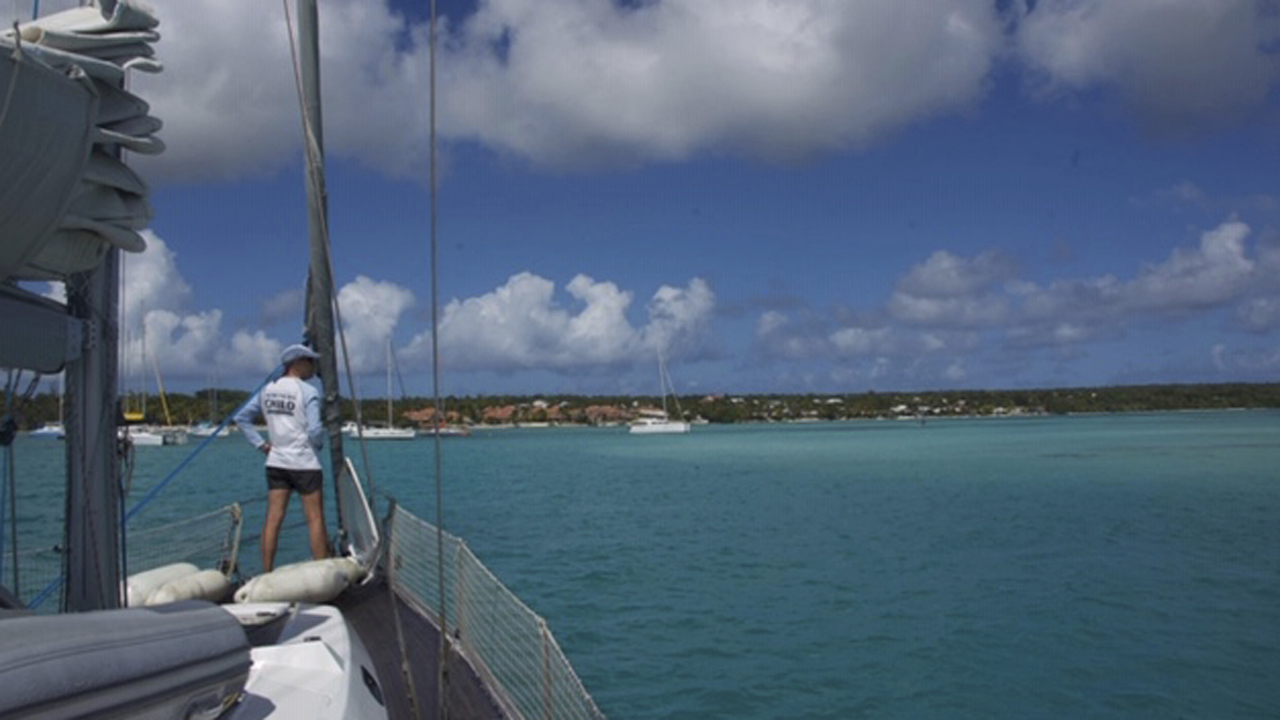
(188, 657)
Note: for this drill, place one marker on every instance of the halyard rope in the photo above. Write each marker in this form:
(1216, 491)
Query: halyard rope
(443, 676)
(312, 147)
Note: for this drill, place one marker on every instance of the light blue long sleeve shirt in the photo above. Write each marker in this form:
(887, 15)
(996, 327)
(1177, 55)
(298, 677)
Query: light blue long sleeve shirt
(291, 408)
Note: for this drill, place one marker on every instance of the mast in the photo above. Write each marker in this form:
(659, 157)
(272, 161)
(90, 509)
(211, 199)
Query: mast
(662, 386)
(319, 319)
(93, 531)
(164, 402)
(142, 371)
(390, 417)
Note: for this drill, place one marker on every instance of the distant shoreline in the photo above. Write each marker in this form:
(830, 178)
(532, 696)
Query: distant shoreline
(904, 420)
(505, 411)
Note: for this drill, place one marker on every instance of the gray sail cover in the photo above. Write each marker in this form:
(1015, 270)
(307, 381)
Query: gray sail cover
(65, 196)
(183, 660)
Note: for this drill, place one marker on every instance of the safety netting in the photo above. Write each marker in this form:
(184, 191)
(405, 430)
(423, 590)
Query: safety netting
(509, 644)
(211, 541)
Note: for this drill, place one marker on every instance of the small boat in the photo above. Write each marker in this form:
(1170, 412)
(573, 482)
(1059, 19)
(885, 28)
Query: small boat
(49, 431)
(205, 429)
(380, 433)
(446, 431)
(142, 438)
(147, 437)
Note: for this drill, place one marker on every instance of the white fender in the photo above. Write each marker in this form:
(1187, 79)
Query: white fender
(204, 585)
(141, 585)
(316, 581)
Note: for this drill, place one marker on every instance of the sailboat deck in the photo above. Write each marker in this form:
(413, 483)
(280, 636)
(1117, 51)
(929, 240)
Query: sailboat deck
(369, 611)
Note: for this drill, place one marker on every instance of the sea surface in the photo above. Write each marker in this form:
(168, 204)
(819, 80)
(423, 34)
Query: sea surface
(1111, 566)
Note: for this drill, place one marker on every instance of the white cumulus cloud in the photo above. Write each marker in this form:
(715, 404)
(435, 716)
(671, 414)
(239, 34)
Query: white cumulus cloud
(1180, 64)
(678, 318)
(1214, 273)
(950, 291)
(581, 83)
(249, 352)
(1260, 314)
(370, 311)
(566, 82)
(158, 327)
(950, 308)
(153, 326)
(781, 336)
(521, 325)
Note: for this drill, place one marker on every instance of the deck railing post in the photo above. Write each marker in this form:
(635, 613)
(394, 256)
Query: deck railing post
(545, 636)
(460, 593)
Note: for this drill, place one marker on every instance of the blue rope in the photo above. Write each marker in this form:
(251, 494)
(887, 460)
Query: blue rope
(151, 494)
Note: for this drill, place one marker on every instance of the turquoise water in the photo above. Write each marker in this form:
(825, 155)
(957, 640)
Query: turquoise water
(1107, 566)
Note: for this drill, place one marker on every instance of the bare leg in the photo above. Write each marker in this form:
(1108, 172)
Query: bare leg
(277, 503)
(313, 506)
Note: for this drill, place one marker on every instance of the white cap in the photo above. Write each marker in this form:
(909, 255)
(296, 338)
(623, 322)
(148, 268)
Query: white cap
(297, 352)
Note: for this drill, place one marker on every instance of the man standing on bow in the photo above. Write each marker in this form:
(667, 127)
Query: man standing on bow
(291, 408)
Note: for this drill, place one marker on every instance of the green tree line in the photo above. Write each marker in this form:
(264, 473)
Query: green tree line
(214, 405)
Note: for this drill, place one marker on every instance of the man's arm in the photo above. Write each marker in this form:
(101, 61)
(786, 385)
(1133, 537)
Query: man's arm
(244, 420)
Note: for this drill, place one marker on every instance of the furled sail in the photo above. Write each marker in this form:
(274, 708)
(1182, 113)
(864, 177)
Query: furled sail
(65, 196)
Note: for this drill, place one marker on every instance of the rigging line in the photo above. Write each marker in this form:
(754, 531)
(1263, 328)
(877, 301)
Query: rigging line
(312, 148)
(400, 379)
(8, 493)
(11, 479)
(124, 483)
(351, 381)
(151, 494)
(442, 676)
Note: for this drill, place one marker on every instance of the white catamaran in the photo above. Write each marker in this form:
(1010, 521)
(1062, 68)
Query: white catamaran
(653, 422)
(377, 631)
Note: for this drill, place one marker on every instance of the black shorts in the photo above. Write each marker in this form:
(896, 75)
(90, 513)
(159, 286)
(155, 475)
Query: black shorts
(304, 481)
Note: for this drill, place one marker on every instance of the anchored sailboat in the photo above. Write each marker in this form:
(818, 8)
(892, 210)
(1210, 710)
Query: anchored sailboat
(390, 432)
(658, 423)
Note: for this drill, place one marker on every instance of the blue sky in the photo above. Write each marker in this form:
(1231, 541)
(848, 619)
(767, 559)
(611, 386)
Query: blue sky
(809, 196)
